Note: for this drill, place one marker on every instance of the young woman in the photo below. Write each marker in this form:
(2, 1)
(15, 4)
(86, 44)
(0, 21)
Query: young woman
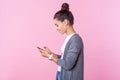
(71, 61)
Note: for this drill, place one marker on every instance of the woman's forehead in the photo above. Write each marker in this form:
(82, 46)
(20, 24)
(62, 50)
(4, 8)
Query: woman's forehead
(56, 21)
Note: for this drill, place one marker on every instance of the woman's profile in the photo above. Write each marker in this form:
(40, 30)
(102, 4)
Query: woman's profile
(71, 61)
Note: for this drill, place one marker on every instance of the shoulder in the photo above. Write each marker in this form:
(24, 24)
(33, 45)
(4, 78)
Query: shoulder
(76, 40)
(76, 37)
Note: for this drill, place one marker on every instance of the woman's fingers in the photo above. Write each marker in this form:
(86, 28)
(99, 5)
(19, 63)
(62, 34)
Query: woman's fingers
(40, 49)
(44, 52)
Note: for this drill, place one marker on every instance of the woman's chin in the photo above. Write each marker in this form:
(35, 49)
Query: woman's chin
(61, 33)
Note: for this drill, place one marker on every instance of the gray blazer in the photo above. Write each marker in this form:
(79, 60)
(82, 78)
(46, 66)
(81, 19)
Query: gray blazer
(72, 64)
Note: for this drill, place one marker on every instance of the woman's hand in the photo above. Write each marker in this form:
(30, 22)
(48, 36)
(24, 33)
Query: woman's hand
(45, 52)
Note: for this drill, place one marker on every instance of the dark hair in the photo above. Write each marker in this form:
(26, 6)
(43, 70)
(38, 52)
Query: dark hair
(64, 13)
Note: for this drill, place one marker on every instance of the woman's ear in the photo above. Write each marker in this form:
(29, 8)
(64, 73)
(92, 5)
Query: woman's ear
(65, 22)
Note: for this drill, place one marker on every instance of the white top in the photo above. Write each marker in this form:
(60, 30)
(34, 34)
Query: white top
(63, 48)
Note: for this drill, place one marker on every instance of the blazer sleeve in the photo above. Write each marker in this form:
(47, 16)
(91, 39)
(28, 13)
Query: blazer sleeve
(72, 54)
(59, 56)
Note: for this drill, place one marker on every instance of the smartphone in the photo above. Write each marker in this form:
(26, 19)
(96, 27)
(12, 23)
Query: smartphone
(39, 48)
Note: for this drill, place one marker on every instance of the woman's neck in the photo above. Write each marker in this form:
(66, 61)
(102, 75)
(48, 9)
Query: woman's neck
(70, 30)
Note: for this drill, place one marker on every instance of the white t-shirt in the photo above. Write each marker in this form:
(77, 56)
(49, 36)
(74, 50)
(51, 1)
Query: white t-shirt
(63, 48)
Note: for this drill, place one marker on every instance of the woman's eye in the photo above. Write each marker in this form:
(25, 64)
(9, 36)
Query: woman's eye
(56, 25)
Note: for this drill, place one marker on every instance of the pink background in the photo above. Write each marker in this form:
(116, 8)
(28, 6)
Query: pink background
(26, 24)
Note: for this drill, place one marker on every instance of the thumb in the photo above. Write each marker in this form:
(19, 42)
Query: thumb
(46, 48)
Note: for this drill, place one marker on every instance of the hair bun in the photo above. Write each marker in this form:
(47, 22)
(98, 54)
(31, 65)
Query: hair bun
(65, 6)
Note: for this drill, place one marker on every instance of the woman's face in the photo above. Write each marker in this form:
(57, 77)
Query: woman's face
(61, 27)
